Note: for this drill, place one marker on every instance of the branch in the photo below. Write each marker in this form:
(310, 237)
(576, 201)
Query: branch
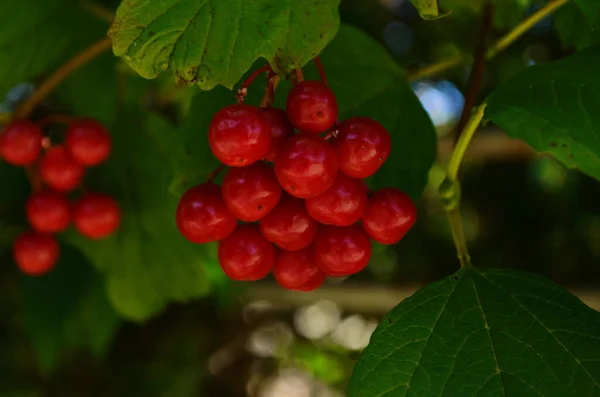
(63, 72)
(499, 46)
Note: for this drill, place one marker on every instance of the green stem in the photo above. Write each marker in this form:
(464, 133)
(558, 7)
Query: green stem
(498, 47)
(450, 188)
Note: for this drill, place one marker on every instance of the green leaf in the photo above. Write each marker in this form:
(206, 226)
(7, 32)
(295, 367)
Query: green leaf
(372, 85)
(554, 108)
(214, 42)
(67, 309)
(147, 263)
(484, 333)
(38, 35)
(428, 9)
(591, 10)
(574, 28)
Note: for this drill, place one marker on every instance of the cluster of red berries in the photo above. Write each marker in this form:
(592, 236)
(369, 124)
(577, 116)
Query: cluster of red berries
(60, 168)
(315, 215)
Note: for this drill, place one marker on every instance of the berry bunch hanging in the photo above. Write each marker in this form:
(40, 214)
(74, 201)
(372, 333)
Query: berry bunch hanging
(56, 170)
(296, 181)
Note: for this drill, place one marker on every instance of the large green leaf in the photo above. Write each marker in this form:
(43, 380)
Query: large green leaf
(147, 263)
(67, 309)
(370, 85)
(211, 42)
(484, 333)
(37, 35)
(591, 10)
(554, 108)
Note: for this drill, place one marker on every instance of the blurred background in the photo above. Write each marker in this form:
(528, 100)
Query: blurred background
(520, 210)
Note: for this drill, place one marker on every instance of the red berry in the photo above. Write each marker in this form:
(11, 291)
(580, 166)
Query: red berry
(96, 215)
(362, 145)
(202, 216)
(390, 213)
(297, 270)
(312, 107)
(342, 204)
(59, 170)
(246, 255)
(306, 165)
(35, 253)
(289, 226)
(251, 192)
(21, 143)
(48, 211)
(88, 141)
(239, 135)
(281, 128)
(342, 251)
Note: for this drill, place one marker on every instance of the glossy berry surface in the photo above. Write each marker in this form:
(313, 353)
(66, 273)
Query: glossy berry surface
(202, 215)
(342, 204)
(306, 165)
(362, 145)
(59, 170)
(251, 192)
(48, 211)
(88, 142)
(289, 225)
(20, 143)
(297, 270)
(35, 253)
(342, 251)
(96, 215)
(239, 135)
(390, 213)
(246, 255)
(312, 107)
(280, 127)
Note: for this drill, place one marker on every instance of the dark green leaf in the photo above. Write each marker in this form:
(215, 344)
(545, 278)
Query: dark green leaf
(484, 333)
(147, 263)
(38, 35)
(574, 29)
(554, 108)
(67, 309)
(214, 42)
(591, 10)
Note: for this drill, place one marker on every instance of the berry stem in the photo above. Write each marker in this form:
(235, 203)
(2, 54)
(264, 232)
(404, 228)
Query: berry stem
(498, 47)
(243, 90)
(211, 177)
(63, 72)
(272, 83)
(299, 76)
(33, 175)
(450, 189)
(321, 69)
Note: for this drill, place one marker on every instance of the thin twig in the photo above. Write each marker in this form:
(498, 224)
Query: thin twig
(98, 11)
(321, 70)
(243, 90)
(63, 72)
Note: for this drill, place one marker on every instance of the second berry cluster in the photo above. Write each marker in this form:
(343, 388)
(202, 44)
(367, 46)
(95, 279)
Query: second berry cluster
(295, 181)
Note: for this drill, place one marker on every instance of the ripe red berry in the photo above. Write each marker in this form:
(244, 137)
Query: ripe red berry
(88, 141)
(20, 143)
(246, 255)
(251, 192)
(281, 128)
(59, 170)
(202, 216)
(96, 215)
(239, 135)
(35, 253)
(390, 213)
(312, 107)
(362, 145)
(297, 270)
(289, 226)
(48, 211)
(306, 165)
(340, 205)
(342, 251)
